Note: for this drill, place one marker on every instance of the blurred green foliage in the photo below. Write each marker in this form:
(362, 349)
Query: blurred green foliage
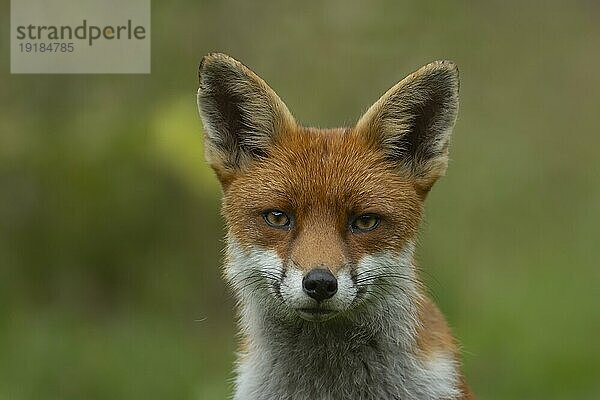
(110, 235)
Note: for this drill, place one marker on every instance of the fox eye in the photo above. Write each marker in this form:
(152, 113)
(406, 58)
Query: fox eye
(276, 218)
(365, 223)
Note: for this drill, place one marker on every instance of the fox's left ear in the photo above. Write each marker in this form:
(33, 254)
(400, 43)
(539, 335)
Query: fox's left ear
(412, 122)
(242, 115)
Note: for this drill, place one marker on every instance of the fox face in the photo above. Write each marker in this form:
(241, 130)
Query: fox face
(322, 223)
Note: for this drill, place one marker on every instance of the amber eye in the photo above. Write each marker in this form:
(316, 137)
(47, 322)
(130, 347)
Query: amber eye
(365, 223)
(276, 218)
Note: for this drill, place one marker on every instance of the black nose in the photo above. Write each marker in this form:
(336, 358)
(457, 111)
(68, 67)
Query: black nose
(320, 284)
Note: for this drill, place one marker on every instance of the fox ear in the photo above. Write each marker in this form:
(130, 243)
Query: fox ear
(412, 122)
(241, 114)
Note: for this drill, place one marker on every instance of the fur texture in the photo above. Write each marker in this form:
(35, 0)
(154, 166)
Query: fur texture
(379, 336)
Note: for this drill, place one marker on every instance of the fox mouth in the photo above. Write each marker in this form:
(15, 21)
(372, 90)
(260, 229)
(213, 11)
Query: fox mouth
(316, 313)
(319, 311)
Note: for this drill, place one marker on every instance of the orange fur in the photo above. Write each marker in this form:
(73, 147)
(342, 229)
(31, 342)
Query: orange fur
(322, 178)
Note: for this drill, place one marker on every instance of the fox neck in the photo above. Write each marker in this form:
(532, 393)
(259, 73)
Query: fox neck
(371, 354)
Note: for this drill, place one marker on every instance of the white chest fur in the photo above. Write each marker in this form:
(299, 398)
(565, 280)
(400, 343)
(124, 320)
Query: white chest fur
(373, 356)
(319, 363)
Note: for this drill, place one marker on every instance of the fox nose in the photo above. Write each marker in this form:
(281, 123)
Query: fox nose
(320, 284)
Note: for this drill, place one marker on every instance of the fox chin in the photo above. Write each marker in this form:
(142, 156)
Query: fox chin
(322, 226)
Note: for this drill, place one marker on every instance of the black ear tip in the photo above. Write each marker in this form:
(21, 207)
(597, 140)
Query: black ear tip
(212, 59)
(444, 66)
(447, 64)
(442, 70)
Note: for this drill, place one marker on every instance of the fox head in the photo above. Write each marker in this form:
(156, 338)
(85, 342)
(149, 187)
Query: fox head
(322, 223)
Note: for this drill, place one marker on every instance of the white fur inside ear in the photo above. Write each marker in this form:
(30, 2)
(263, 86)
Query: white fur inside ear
(413, 121)
(240, 112)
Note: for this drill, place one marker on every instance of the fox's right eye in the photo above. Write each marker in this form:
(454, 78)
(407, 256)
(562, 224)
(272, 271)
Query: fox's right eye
(276, 218)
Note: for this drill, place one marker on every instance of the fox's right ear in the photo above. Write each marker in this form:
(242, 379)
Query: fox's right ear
(241, 114)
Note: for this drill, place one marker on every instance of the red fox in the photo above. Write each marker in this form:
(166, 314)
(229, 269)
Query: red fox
(321, 233)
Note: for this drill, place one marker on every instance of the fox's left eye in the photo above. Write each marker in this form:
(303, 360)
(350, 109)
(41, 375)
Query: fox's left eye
(365, 223)
(276, 218)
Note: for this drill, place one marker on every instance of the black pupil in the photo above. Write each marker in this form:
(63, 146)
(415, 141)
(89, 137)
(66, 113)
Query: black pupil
(365, 222)
(278, 218)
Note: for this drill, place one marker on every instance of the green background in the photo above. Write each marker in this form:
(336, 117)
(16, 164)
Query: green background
(110, 234)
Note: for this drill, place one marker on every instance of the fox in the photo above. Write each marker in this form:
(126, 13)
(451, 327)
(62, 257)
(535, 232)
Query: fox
(321, 234)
